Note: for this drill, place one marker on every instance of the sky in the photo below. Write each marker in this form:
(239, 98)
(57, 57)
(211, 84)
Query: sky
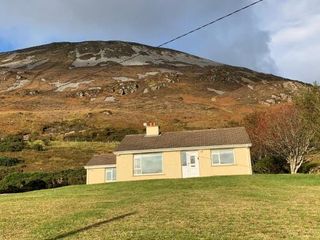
(281, 37)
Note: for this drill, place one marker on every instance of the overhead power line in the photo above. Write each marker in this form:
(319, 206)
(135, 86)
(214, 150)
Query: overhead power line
(198, 28)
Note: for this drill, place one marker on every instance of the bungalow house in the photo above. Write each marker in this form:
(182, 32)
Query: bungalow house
(184, 154)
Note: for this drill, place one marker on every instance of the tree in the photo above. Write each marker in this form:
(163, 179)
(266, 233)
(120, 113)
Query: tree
(256, 125)
(283, 132)
(289, 136)
(308, 103)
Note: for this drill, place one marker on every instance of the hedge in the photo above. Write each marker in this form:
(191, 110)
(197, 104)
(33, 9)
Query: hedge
(270, 165)
(5, 171)
(12, 143)
(8, 161)
(101, 135)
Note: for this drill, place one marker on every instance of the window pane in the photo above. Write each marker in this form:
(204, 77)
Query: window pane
(226, 157)
(192, 159)
(151, 163)
(183, 158)
(184, 162)
(111, 174)
(137, 163)
(114, 173)
(215, 158)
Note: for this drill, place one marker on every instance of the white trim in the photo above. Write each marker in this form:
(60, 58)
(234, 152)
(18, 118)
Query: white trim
(100, 166)
(87, 177)
(147, 174)
(250, 162)
(182, 149)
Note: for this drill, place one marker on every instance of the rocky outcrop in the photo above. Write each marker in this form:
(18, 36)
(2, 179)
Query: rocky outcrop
(91, 92)
(110, 99)
(277, 99)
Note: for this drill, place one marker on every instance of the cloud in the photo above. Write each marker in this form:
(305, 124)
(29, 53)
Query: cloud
(294, 28)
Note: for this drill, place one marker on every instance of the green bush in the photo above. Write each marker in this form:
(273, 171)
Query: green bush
(5, 171)
(270, 164)
(8, 161)
(12, 143)
(37, 145)
(23, 182)
(65, 126)
(308, 167)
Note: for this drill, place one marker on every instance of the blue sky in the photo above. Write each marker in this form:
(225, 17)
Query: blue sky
(279, 37)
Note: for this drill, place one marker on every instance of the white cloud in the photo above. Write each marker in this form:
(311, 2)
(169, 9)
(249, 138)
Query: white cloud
(294, 27)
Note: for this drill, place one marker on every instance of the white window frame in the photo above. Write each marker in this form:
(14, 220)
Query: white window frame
(138, 157)
(114, 178)
(218, 152)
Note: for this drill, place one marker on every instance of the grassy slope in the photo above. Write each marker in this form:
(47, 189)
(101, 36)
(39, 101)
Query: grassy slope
(239, 207)
(61, 155)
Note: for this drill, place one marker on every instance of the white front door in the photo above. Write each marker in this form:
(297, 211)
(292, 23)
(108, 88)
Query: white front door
(190, 165)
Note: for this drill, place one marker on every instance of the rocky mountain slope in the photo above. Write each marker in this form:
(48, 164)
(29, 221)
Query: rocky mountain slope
(66, 88)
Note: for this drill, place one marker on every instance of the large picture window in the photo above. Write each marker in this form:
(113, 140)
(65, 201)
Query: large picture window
(147, 164)
(222, 157)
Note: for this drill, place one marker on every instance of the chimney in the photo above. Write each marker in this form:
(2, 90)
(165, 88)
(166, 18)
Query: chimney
(151, 129)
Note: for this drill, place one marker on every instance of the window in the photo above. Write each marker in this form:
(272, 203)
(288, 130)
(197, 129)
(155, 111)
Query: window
(222, 157)
(111, 174)
(183, 157)
(147, 164)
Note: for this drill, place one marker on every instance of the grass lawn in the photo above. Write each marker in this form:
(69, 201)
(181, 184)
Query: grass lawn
(235, 207)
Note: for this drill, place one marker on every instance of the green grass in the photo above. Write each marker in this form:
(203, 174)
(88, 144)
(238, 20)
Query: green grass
(237, 207)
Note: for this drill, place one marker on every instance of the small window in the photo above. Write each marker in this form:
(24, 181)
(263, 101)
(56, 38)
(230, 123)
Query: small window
(183, 158)
(184, 162)
(147, 164)
(222, 157)
(192, 160)
(111, 174)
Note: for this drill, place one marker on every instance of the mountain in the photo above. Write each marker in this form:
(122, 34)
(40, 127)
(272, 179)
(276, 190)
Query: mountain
(66, 88)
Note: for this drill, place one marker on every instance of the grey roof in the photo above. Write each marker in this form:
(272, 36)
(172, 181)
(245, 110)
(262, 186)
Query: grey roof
(103, 159)
(195, 138)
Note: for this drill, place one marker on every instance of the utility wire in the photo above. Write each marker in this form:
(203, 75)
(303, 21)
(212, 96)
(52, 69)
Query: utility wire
(198, 28)
(189, 32)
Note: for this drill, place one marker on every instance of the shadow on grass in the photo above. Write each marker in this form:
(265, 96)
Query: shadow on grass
(92, 226)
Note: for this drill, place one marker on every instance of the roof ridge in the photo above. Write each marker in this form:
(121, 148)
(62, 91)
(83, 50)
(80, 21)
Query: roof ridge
(207, 129)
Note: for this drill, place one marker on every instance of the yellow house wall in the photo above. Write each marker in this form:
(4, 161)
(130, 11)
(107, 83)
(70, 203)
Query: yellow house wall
(171, 167)
(96, 175)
